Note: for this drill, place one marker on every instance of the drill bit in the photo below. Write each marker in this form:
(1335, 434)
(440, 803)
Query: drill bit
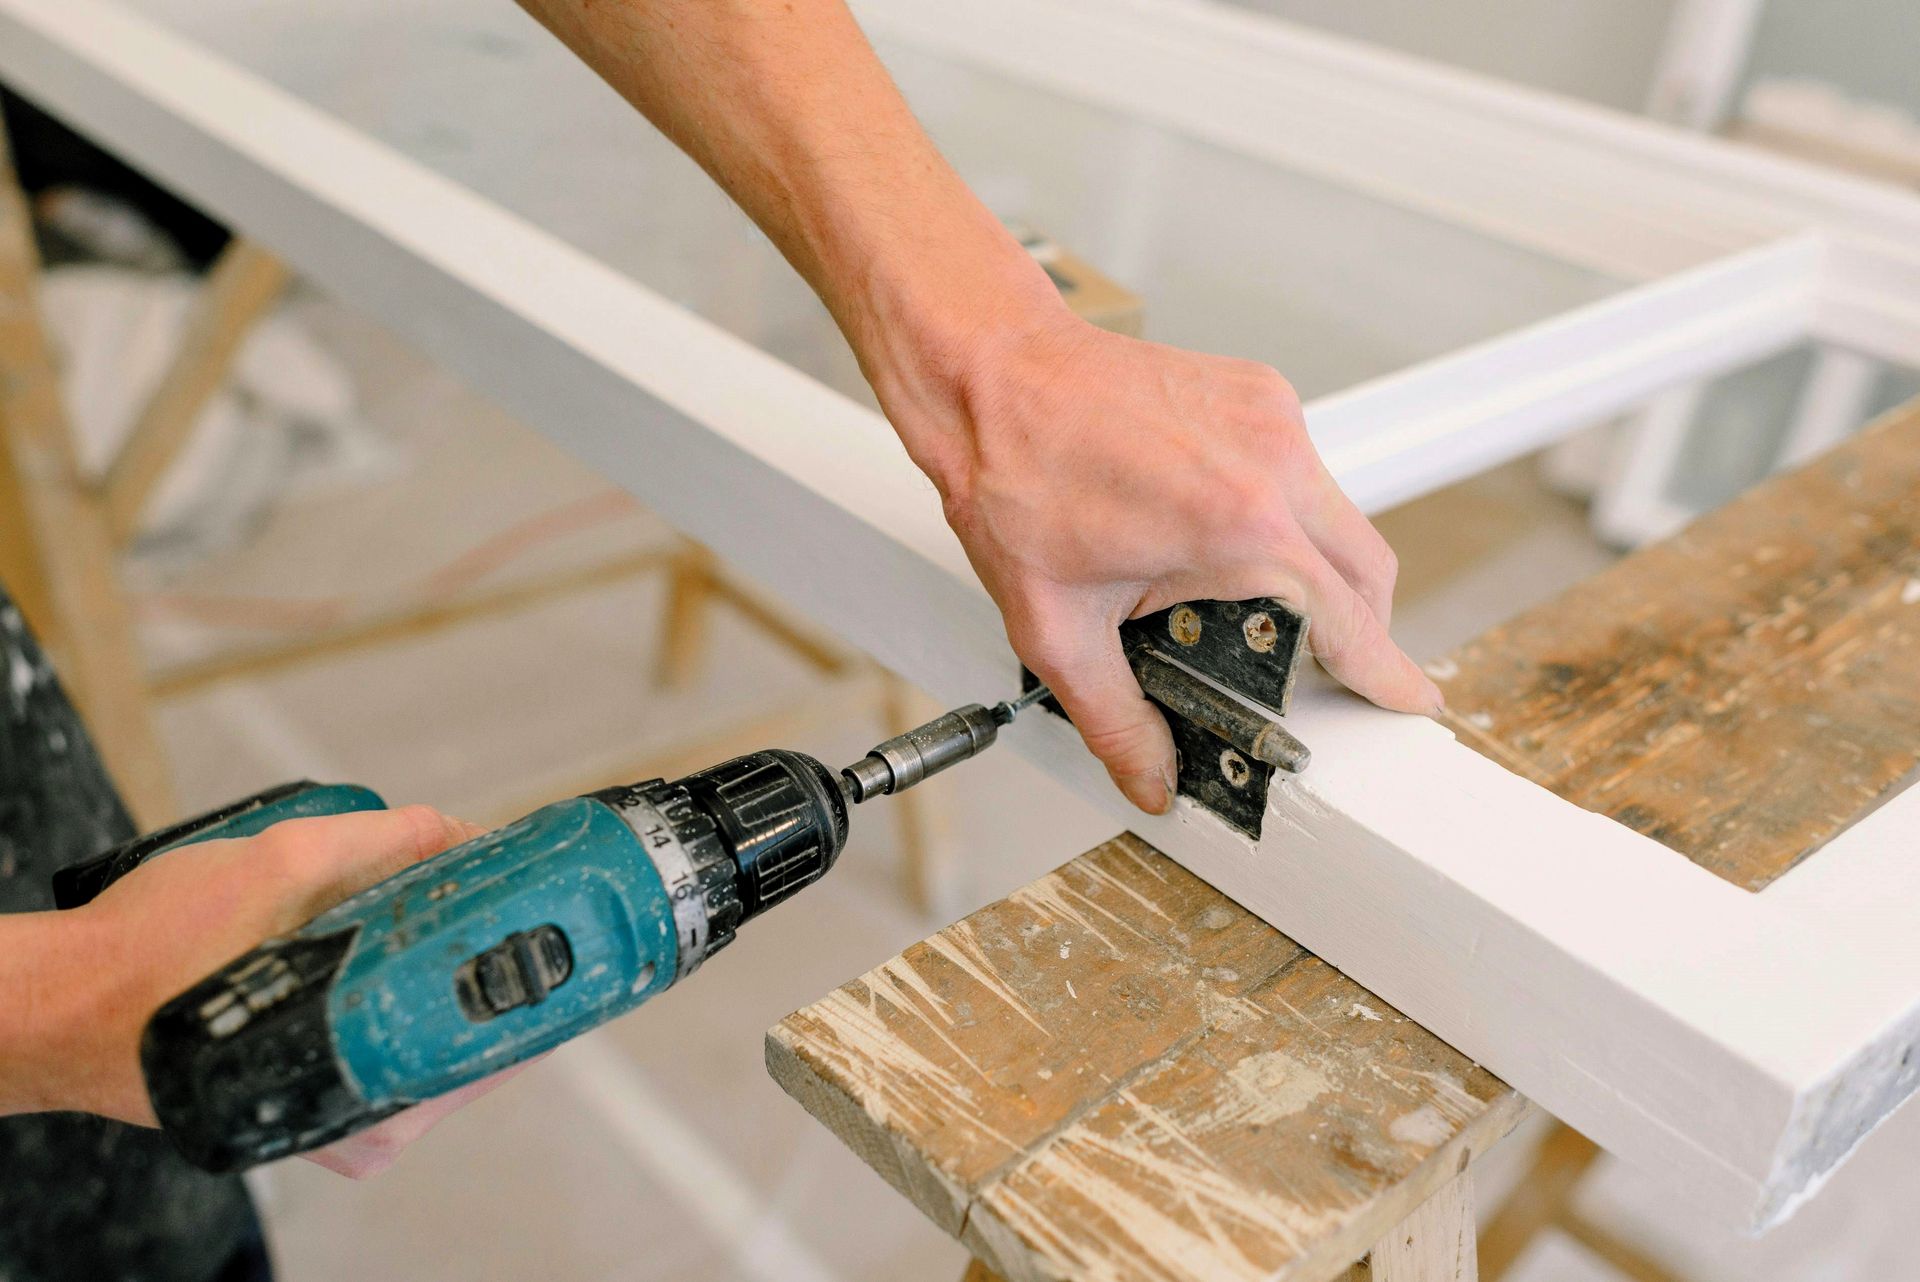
(1007, 709)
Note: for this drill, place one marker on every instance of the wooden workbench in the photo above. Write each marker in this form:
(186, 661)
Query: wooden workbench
(1117, 1073)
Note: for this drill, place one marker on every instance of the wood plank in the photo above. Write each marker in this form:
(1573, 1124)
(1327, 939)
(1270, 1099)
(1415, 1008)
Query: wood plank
(253, 662)
(1743, 690)
(244, 282)
(22, 566)
(1541, 1200)
(843, 699)
(923, 829)
(684, 623)
(1006, 1190)
(1116, 1072)
(1544, 1199)
(1435, 1243)
(78, 587)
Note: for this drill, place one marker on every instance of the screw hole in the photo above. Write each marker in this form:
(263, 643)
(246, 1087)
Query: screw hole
(1261, 633)
(1234, 768)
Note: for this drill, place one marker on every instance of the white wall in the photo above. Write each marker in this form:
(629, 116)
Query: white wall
(1867, 48)
(1600, 50)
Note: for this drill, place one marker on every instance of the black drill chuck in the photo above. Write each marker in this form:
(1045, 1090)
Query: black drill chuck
(782, 817)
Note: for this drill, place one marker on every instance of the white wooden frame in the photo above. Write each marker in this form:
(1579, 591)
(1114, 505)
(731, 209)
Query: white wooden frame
(1741, 1043)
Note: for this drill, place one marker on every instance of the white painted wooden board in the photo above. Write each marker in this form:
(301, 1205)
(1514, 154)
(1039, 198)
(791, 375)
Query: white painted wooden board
(1736, 1044)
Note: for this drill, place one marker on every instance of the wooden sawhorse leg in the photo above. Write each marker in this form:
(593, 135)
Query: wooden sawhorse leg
(59, 536)
(1544, 1199)
(694, 582)
(1434, 1244)
(242, 286)
(921, 819)
(684, 629)
(57, 545)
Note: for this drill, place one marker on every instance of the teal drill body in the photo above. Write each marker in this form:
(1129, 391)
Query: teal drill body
(574, 870)
(495, 950)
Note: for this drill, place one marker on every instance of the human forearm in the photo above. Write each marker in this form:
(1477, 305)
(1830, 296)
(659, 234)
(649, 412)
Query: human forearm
(78, 987)
(1090, 477)
(50, 971)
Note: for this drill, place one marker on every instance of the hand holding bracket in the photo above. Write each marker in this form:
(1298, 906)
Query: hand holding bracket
(1224, 719)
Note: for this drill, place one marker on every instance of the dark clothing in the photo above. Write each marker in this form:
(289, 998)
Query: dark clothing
(82, 1197)
(47, 155)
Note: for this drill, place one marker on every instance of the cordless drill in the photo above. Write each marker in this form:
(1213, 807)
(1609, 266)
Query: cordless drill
(494, 950)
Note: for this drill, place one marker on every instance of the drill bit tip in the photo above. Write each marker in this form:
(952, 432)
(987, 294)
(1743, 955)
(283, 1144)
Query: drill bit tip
(1007, 709)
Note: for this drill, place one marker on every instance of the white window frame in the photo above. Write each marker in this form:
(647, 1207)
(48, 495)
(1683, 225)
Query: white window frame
(1741, 1043)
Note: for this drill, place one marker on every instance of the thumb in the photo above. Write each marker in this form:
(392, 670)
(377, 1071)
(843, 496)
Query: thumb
(1091, 679)
(332, 857)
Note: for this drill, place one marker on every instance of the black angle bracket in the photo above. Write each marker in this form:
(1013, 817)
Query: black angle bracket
(1223, 673)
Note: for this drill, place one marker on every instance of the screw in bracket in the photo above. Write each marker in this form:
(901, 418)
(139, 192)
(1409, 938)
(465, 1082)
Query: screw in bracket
(1234, 768)
(1183, 625)
(1260, 632)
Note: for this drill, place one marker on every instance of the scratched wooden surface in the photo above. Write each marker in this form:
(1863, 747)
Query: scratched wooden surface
(1740, 692)
(1117, 1073)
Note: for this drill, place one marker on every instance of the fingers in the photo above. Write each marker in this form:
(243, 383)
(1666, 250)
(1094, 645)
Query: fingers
(1346, 538)
(1089, 675)
(1082, 661)
(332, 857)
(1351, 642)
(176, 919)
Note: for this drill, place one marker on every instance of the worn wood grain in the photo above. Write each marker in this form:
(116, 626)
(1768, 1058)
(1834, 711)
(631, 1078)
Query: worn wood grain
(684, 625)
(1435, 1243)
(1740, 692)
(242, 286)
(1115, 1072)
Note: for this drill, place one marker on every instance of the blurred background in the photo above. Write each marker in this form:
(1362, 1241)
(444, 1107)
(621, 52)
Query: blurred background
(355, 569)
